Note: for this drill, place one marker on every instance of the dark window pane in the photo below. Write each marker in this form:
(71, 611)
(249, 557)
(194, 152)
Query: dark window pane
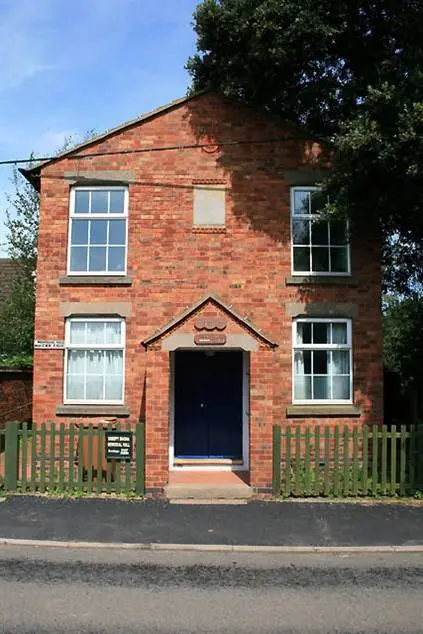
(302, 362)
(320, 232)
(97, 259)
(117, 232)
(339, 332)
(338, 233)
(339, 259)
(116, 258)
(320, 362)
(307, 361)
(117, 201)
(301, 202)
(78, 261)
(301, 232)
(303, 332)
(317, 201)
(301, 259)
(82, 201)
(98, 232)
(321, 332)
(321, 388)
(320, 258)
(99, 202)
(79, 233)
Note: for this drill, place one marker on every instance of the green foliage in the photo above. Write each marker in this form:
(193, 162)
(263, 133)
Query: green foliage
(403, 340)
(18, 310)
(22, 361)
(351, 72)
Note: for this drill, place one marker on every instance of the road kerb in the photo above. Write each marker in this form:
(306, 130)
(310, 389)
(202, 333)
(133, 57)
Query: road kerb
(216, 548)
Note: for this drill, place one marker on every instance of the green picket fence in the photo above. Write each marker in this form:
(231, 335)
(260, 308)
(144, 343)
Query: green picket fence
(69, 459)
(2, 456)
(343, 461)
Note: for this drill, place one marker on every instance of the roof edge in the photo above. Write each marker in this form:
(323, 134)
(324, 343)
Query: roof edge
(211, 297)
(32, 172)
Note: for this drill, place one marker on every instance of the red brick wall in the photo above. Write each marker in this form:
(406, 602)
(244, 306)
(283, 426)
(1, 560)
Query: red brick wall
(15, 396)
(172, 266)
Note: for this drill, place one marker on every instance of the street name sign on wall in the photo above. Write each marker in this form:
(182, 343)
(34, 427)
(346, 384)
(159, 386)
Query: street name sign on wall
(118, 445)
(49, 344)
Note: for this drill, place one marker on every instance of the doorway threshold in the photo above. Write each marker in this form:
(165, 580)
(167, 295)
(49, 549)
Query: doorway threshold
(208, 486)
(180, 462)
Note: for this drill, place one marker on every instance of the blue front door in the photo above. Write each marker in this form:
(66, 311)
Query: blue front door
(208, 404)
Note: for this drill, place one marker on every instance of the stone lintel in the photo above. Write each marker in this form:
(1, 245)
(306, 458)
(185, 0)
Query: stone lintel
(322, 309)
(186, 340)
(123, 309)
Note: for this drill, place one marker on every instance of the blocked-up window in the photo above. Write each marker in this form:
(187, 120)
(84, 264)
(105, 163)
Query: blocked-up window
(94, 360)
(322, 360)
(209, 206)
(319, 246)
(98, 231)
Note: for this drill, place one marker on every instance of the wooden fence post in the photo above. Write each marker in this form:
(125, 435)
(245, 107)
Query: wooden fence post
(276, 477)
(140, 458)
(11, 457)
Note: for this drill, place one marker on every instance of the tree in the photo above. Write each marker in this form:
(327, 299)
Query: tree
(351, 72)
(17, 312)
(403, 354)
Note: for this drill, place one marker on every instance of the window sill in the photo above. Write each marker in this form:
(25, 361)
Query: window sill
(92, 410)
(312, 411)
(95, 280)
(331, 280)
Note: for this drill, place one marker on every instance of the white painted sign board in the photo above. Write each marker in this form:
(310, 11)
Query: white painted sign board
(49, 344)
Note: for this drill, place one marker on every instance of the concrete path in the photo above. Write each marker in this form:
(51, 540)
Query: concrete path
(255, 523)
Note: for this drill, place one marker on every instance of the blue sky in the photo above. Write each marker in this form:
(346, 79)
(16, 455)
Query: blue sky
(68, 67)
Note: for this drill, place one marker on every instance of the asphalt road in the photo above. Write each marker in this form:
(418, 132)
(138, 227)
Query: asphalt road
(256, 523)
(80, 591)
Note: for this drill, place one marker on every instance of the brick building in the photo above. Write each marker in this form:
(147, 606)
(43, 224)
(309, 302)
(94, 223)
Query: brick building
(181, 263)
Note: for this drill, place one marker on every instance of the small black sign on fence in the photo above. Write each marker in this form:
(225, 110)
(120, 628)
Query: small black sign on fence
(118, 445)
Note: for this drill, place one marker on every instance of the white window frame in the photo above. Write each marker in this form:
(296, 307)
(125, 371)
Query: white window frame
(89, 216)
(322, 346)
(69, 346)
(307, 217)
